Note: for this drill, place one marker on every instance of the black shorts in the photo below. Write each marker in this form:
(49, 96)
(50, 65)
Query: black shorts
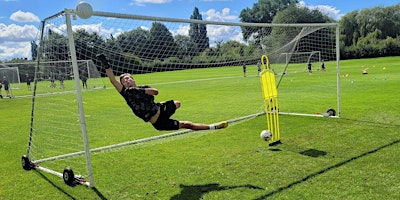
(164, 122)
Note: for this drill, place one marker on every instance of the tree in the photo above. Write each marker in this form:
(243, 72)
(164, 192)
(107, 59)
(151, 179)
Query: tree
(370, 32)
(134, 42)
(294, 14)
(84, 45)
(198, 32)
(33, 50)
(349, 28)
(262, 12)
(162, 42)
(57, 48)
(186, 47)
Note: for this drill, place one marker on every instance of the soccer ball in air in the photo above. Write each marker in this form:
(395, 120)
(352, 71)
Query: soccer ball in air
(266, 135)
(84, 10)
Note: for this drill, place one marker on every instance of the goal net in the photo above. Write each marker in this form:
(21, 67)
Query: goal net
(54, 70)
(11, 74)
(302, 57)
(211, 67)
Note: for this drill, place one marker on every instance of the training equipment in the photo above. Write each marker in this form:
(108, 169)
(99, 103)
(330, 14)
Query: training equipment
(270, 97)
(266, 135)
(11, 73)
(302, 57)
(84, 10)
(55, 69)
(179, 54)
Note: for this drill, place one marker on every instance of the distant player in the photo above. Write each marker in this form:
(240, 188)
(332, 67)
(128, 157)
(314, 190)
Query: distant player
(1, 86)
(259, 67)
(6, 85)
(61, 79)
(309, 67)
(84, 79)
(323, 66)
(52, 83)
(141, 101)
(28, 82)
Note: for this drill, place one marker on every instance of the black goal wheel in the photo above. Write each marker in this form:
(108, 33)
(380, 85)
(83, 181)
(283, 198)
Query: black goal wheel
(26, 163)
(68, 176)
(331, 112)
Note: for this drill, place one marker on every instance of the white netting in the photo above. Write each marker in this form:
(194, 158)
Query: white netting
(10, 74)
(187, 57)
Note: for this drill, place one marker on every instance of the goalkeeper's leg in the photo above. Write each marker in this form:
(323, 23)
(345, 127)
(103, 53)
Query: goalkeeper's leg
(196, 126)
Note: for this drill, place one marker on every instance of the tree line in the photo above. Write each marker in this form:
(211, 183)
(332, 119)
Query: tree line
(367, 33)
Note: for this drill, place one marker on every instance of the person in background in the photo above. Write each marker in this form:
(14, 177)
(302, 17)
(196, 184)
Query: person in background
(28, 82)
(6, 85)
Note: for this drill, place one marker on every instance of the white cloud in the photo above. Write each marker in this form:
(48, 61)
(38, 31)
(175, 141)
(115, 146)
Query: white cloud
(95, 28)
(222, 33)
(331, 11)
(15, 40)
(143, 2)
(20, 16)
(10, 50)
(15, 33)
(213, 15)
(182, 30)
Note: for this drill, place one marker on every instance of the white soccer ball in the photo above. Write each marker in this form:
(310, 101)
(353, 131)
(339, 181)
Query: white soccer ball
(266, 135)
(84, 10)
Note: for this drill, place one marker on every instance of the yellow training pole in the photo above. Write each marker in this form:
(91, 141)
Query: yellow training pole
(270, 96)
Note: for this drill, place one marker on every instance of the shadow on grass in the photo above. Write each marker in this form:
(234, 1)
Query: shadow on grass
(313, 153)
(326, 170)
(54, 185)
(98, 193)
(194, 192)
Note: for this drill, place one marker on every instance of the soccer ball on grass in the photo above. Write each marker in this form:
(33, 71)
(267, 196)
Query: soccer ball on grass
(266, 135)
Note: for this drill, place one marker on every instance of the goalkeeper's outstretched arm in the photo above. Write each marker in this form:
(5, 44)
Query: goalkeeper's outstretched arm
(109, 72)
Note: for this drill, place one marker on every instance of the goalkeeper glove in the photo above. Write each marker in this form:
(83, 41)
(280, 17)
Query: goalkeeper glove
(103, 60)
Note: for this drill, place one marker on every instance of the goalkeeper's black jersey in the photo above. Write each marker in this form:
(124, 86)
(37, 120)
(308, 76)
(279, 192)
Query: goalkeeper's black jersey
(142, 104)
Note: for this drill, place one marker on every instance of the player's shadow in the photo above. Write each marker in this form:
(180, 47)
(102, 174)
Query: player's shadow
(313, 153)
(194, 192)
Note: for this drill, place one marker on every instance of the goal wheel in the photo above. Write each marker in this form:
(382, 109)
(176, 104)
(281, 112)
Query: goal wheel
(68, 176)
(331, 112)
(26, 163)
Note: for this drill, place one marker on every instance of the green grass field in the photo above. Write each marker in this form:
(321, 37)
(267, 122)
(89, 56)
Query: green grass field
(353, 157)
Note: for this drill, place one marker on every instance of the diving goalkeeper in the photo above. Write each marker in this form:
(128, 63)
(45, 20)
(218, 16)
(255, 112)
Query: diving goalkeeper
(141, 100)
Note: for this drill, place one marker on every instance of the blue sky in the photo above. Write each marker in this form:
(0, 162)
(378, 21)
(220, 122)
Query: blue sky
(20, 19)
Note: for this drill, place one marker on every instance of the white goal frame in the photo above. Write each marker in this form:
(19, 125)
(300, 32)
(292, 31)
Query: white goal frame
(288, 56)
(12, 75)
(70, 14)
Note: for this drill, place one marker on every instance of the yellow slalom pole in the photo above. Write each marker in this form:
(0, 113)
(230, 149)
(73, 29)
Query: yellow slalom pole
(270, 96)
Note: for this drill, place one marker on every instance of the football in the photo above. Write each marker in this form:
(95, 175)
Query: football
(266, 135)
(84, 10)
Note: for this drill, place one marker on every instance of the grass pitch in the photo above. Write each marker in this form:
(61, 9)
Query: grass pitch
(353, 157)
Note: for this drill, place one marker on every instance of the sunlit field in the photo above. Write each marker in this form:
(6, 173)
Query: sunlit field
(351, 157)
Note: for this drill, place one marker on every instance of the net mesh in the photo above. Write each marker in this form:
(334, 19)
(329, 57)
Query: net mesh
(210, 61)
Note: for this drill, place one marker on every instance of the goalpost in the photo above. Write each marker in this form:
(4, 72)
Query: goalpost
(172, 55)
(302, 57)
(11, 74)
(55, 69)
